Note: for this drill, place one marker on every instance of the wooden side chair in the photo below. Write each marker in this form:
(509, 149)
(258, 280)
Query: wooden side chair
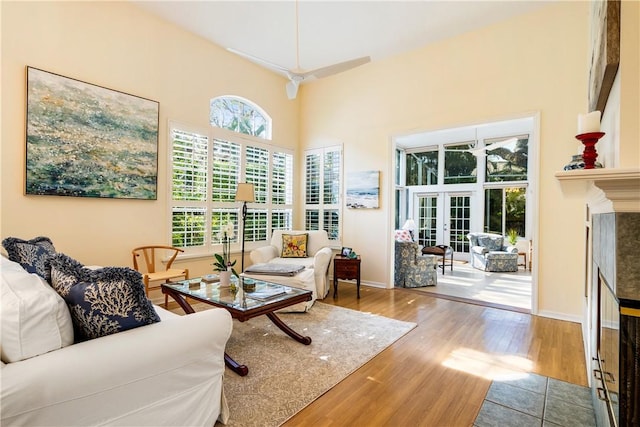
(152, 256)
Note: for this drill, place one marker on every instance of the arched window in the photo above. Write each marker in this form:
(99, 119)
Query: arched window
(239, 115)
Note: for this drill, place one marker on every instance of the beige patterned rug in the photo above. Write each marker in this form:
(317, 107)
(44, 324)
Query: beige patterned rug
(284, 375)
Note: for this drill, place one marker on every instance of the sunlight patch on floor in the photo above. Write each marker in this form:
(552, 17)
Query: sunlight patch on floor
(489, 366)
(508, 289)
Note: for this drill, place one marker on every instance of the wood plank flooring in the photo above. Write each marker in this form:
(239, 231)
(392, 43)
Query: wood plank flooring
(438, 374)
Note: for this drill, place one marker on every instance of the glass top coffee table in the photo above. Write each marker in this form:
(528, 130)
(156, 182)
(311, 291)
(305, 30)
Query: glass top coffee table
(244, 299)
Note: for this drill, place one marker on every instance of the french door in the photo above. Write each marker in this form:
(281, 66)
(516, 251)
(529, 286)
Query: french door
(444, 218)
(458, 221)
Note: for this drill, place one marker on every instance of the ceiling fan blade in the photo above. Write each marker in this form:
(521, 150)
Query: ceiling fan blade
(500, 144)
(336, 68)
(260, 61)
(292, 89)
(482, 151)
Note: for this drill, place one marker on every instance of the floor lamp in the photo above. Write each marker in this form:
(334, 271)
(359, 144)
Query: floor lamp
(244, 194)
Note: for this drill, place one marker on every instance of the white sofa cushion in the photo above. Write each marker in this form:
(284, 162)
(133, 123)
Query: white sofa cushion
(165, 374)
(35, 319)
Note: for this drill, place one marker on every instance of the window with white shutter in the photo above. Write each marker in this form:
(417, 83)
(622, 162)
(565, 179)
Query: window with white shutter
(323, 185)
(208, 164)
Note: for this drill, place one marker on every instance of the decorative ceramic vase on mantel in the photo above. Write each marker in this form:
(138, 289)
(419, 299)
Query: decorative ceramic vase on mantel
(577, 162)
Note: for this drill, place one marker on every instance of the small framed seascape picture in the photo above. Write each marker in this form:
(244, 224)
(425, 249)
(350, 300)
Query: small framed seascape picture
(363, 190)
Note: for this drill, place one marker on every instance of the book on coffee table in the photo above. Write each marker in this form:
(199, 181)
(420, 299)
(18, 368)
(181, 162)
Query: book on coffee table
(210, 278)
(267, 292)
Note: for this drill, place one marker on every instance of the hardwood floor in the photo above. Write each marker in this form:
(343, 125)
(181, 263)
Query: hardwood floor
(438, 374)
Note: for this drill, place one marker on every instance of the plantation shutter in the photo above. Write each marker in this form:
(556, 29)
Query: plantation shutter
(226, 170)
(189, 188)
(257, 171)
(190, 152)
(323, 178)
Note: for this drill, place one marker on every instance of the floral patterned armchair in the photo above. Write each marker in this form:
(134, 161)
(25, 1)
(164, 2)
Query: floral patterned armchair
(412, 269)
(489, 253)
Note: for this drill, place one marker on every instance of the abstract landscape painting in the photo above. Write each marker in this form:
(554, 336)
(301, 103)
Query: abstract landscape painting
(363, 189)
(85, 140)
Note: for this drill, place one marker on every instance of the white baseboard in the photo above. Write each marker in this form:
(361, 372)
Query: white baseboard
(375, 285)
(362, 283)
(560, 316)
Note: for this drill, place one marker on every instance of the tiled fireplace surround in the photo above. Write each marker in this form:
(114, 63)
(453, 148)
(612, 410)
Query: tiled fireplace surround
(613, 218)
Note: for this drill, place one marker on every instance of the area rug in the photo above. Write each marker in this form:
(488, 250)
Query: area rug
(284, 375)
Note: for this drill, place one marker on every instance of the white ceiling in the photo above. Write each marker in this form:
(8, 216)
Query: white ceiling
(332, 31)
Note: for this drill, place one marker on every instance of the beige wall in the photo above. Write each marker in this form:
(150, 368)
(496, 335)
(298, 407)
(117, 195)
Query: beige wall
(537, 63)
(629, 74)
(533, 63)
(119, 46)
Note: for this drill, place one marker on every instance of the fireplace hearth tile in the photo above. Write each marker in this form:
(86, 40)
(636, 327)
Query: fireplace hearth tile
(516, 398)
(491, 415)
(532, 382)
(570, 393)
(568, 414)
(516, 403)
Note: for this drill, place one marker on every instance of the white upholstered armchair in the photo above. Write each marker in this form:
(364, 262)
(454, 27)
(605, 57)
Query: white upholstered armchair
(315, 275)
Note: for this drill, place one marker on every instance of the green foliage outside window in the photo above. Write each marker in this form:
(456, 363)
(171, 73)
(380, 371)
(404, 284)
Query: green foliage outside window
(238, 116)
(422, 168)
(460, 166)
(508, 163)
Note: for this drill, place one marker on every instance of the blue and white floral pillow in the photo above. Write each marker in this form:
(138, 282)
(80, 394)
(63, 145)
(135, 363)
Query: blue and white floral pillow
(490, 242)
(33, 255)
(102, 302)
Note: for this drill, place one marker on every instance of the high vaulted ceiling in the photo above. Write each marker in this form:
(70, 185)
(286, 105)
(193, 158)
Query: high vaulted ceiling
(332, 31)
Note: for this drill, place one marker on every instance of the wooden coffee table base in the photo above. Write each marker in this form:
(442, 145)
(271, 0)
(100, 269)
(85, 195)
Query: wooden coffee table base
(242, 316)
(287, 330)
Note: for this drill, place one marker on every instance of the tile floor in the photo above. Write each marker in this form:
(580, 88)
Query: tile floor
(536, 401)
(506, 289)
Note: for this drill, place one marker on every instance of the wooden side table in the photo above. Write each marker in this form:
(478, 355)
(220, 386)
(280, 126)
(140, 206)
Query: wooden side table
(346, 269)
(440, 250)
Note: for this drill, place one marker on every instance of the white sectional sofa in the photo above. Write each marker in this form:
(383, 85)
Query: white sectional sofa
(167, 373)
(315, 275)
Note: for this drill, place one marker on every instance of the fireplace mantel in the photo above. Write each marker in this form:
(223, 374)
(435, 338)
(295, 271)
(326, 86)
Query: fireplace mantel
(612, 197)
(609, 190)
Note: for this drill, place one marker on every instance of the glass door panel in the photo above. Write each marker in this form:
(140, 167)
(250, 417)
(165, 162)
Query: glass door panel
(458, 222)
(428, 220)
(505, 209)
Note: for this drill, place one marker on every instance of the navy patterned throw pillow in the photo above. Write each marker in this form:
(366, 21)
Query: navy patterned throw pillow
(102, 302)
(33, 255)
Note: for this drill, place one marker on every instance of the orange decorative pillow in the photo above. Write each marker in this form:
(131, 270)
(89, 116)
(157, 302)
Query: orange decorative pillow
(294, 245)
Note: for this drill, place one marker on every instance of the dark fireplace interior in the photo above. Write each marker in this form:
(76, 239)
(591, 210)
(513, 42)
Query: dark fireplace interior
(608, 354)
(616, 319)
